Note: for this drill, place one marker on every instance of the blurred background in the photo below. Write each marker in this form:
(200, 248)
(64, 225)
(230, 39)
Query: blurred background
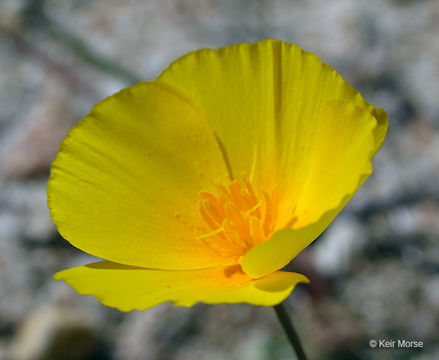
(374, 273)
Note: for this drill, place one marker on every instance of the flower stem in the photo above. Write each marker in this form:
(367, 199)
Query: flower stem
(291, 333)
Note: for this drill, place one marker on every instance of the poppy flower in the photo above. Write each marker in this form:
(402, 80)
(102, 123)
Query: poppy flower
(203, 184)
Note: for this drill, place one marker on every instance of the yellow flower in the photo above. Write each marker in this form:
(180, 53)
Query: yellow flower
(202, 184)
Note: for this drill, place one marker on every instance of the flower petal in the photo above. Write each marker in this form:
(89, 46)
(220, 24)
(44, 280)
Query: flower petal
(132, 288)
(345, 142)
(125, 185)
(263, 101)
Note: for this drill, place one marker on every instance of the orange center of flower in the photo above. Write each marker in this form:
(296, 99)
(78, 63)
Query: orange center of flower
(238, 216)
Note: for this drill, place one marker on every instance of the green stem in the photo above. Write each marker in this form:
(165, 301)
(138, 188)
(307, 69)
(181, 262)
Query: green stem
(291, 333)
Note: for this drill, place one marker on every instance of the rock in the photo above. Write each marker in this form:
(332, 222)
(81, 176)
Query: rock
(50, 333)
(33, 143)
(15, 284)
(337, 249)
(136, 340)
(25, 204)
(382, 294)
(3, 350)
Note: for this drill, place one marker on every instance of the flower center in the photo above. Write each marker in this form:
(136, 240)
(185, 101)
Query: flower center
(238, 216)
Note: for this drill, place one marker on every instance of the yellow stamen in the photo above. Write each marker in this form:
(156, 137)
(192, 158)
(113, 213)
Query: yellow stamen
(268, 214)
(232, 235)
(206, 216)
(256, 230)
(213, 233)
(239, 216)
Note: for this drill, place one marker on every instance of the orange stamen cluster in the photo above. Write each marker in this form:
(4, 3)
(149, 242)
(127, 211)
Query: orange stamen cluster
(238, 217)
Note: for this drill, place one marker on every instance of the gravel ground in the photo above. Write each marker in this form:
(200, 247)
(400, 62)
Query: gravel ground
(374, 273)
